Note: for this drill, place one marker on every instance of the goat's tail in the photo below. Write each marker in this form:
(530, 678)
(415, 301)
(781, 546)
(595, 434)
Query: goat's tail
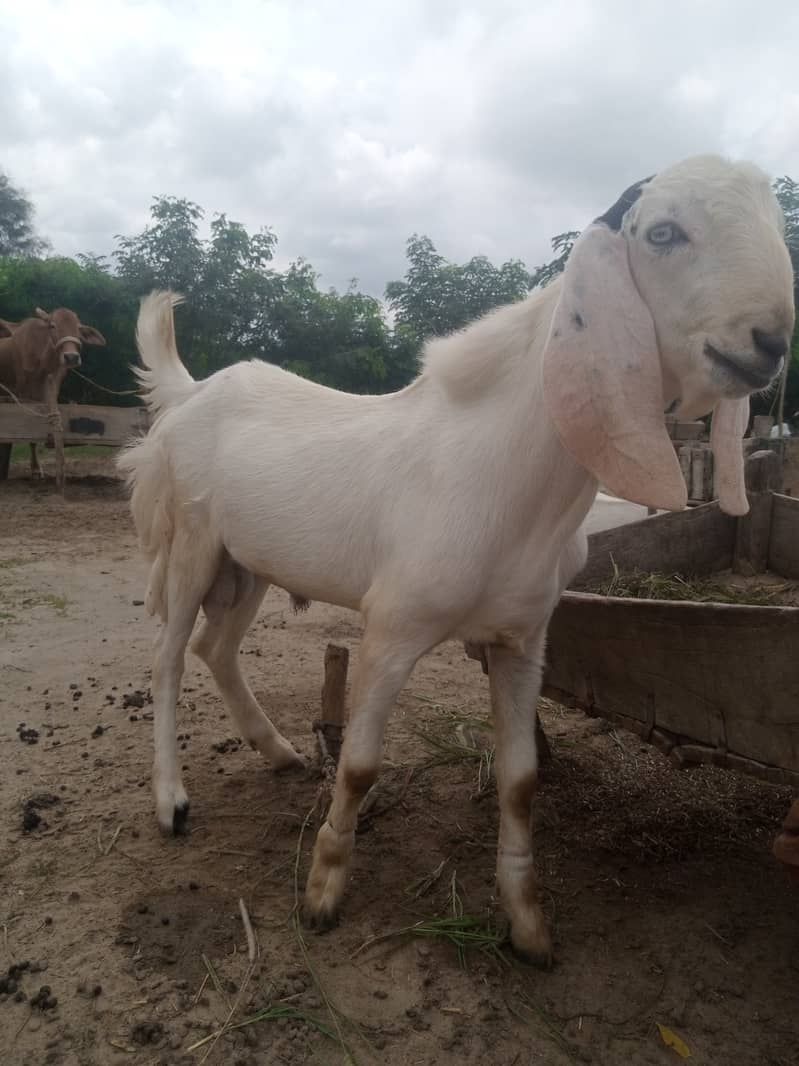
(165, 380)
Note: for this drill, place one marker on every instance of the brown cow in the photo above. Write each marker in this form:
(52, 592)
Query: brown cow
(36, 354)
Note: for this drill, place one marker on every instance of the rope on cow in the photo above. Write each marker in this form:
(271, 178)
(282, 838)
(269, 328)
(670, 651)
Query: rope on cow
(104, 388)
(30, 410)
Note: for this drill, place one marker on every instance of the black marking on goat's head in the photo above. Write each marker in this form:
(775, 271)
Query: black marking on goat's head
(578, 320)
(614, 216)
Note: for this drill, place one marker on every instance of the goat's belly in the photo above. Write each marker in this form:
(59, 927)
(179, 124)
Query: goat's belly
(306, 570)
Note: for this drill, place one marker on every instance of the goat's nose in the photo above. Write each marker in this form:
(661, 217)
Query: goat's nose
(772, 345)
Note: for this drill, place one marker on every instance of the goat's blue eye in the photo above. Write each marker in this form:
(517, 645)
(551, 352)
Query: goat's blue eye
(665, 233)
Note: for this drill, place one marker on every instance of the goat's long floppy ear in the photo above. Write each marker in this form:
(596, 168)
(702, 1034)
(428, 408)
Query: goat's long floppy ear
(730, 419)
(601, 372)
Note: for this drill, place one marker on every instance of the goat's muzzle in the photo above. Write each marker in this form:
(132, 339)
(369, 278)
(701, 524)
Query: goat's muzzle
(755, 374)
(771, 346)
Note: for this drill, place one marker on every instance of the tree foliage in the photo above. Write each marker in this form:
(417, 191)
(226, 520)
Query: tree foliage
(436, 297)
(562, 246)
(787, 191)
(17, 235)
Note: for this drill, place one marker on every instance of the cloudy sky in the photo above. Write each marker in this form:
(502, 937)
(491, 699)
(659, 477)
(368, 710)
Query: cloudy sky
(347, 126)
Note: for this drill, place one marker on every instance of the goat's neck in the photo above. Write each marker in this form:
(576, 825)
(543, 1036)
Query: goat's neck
(493, 379)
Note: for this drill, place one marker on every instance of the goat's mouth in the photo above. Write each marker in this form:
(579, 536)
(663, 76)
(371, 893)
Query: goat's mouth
(749, 376)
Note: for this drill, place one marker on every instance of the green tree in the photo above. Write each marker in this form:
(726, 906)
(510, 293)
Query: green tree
(562, 244)
(17, 236)
(787, 191)
(238, 306)
(436, 297)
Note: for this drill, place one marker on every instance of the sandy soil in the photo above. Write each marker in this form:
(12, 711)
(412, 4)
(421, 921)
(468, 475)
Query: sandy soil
(666, 906)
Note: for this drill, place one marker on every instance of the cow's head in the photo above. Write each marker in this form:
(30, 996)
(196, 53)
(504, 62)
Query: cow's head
(66, 335)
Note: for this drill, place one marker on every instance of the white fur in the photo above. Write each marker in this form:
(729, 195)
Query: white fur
(450, 509)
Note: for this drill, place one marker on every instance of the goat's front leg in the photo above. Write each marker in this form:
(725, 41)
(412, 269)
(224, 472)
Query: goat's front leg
(515, 682)
(384, 666)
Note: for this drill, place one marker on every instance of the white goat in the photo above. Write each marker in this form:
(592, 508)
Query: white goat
(453, 508)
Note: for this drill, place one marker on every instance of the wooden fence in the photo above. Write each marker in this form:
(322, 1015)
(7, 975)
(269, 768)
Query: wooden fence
(80, 424)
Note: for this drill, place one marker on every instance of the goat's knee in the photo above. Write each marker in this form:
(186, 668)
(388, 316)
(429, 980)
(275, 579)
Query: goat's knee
(203, 644)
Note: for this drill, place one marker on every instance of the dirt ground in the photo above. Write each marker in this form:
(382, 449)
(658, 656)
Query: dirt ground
(666, 906)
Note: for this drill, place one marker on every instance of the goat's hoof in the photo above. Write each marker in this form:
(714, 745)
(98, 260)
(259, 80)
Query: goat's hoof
(320, 921)
(533, 946)
(542, 960)
(180, 819)
(173, 821)
(288, 763)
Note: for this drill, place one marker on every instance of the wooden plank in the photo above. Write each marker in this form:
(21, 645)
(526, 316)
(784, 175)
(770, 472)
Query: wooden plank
(83, 423)
(5, 460)
(762, 471)
(718, 674)
(696, 541)
(783, 551)
(753, 535)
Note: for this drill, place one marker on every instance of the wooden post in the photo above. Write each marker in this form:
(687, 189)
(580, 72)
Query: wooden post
(761, 425)
(753, 532)
(58, 441)
(762, 471)
(330, 729)
(5, 460)
(684, 458)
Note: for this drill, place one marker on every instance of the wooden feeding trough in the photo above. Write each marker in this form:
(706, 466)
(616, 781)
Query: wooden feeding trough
(706, 682)
(709, 682)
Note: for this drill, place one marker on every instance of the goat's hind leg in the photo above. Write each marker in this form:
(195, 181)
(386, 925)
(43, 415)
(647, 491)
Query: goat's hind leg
(230, 608)
(190, 573)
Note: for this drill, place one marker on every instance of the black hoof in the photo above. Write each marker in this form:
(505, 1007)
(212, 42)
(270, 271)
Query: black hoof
(319, 923)
(540, 960)
(180, 818)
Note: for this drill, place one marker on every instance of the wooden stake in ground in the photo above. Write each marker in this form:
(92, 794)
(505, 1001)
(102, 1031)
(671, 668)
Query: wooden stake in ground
(329, 729)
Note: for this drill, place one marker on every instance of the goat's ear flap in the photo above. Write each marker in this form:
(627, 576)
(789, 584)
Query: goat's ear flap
(730, 419)
(602, 377)
(42, 314)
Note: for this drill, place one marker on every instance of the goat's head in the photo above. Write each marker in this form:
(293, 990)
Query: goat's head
(66, 334)
(682, 291)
